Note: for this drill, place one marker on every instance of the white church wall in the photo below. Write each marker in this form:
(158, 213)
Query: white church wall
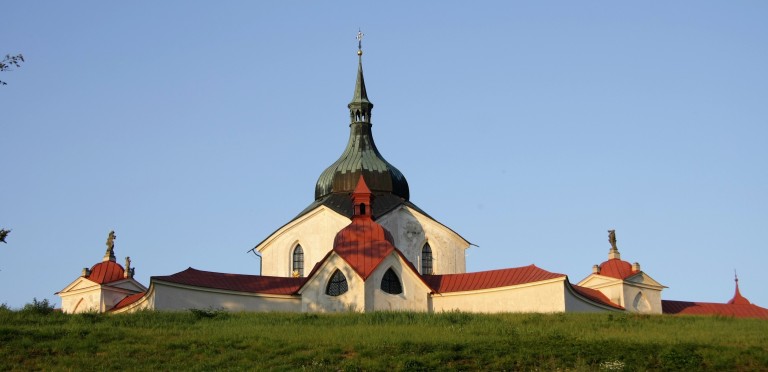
(610, 287)
(314, 298)
(641, 300)
(625, 292)
(88, 300)
(542, 297)
(315, 232)
(82, 295)
(415, 296)
(411, 230)
(175, 297)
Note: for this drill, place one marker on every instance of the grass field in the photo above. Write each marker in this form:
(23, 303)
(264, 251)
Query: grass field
(209, 340)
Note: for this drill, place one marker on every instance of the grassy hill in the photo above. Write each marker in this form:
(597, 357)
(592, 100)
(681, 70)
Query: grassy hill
(208, 340)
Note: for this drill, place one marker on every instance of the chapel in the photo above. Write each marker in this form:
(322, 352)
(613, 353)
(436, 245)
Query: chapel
(363, 245)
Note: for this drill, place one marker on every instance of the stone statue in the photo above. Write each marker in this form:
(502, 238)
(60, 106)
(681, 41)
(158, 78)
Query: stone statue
(128, 263)
(111, 240)
(612, 238)
(110, 254)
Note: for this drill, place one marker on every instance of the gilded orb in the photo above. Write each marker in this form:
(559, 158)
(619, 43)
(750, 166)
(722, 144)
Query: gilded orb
(359, 52)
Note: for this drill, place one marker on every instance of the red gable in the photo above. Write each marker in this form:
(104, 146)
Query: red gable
(363, 244)
(488, 279)
(235, 282)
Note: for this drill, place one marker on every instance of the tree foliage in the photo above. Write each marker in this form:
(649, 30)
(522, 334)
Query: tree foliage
(9, 62)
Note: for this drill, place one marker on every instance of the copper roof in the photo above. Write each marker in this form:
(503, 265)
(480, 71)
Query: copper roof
(488, 279)
(235, 282)
(106, 272)
(361, 157)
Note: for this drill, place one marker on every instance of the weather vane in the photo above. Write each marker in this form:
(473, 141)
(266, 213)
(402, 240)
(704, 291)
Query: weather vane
(359, 42)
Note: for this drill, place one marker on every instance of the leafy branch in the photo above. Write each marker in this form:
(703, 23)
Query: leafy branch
(9, 62)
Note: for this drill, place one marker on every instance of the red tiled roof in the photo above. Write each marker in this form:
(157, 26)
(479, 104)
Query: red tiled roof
(488, 279)
(129, 300)
(235, 282)
(106, 272)
(708, 308)
(616, 268)
(363, 244)
(595, 295)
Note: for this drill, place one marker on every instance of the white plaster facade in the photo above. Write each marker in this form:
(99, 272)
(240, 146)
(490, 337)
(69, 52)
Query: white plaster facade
(316, 230)
(411, 230)
(84, 295)
(638, 293)
(547, 296)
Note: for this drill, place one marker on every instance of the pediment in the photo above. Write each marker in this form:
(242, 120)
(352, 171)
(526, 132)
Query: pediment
(643, 278)
(79, 284)
(595, 280)
(129, 284)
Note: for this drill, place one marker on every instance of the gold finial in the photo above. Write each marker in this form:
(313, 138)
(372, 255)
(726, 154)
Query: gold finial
(359, 42)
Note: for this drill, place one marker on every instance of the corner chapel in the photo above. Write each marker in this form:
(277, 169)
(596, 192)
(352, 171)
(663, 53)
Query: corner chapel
(363, 245)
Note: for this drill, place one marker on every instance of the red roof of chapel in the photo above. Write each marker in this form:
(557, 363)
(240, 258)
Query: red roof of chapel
(738, 307)
(363, 243)
(617, 268)
(235, 282)
(488, 279)
(128, 300)
(106, 272)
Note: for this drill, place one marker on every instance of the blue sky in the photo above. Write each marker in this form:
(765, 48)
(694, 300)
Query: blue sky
(195, 129)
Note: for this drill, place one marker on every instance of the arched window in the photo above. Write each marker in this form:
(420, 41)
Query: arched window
(298, 262)
(426, 260)
(390, 283)
(337, 285)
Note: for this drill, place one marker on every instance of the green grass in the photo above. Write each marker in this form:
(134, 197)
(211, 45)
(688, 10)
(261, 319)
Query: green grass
(378, 341)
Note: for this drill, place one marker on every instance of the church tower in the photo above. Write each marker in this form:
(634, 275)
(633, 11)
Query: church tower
(429, 245)
(361, 157)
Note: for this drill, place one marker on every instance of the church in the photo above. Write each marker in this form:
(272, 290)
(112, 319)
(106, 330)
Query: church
(363, 245)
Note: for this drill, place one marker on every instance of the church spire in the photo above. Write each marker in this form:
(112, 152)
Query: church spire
(361, 157)
(738, 299)
(360, 107)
